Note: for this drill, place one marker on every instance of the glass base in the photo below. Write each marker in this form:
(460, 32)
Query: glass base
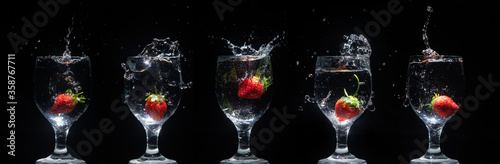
(245, 161)
(344, 159)
(62, 160)
(152, 160)
(434, 160)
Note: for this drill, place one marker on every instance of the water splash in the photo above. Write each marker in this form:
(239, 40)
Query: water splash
(156, 50)
(66, 56)
(324, 100)
(67, 52)
(248, 50)
(161, 48)
(356, 45)
(428, 51)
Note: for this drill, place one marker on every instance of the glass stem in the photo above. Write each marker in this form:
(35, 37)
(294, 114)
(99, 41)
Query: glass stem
(152, 142)
(341, 147)
(243, 144)
(434, 141)
(60, 149)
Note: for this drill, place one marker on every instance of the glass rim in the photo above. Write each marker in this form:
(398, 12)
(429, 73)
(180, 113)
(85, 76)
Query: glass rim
(442, 56)
(239, 56)
(251, 57)
(447, 58)
(347, 56)
(71, 57)
(160, 57)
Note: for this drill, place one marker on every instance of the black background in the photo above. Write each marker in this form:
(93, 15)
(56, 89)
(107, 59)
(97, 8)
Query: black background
(199, 132)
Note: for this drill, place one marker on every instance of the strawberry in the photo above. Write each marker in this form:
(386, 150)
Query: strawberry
(443, 106)
(155, 106)
(347, 106)
(66, 102)
(250, 88)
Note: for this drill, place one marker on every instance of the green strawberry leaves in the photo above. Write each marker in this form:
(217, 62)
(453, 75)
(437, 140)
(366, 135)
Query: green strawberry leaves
(77, 96)
(266, 81)
(352, 100)
(155, 97)
(431, 105)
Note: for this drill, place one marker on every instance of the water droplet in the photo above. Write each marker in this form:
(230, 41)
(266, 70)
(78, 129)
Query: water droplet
(297, 62)
(187, 85)
(324, 19)
(383, 64)
(406, 103)
(309, 99)
(371, 107)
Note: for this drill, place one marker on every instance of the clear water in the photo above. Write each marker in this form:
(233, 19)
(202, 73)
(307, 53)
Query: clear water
(142, 75)
(52, 78)
(329, 87)
(231, 70)
(442, 76)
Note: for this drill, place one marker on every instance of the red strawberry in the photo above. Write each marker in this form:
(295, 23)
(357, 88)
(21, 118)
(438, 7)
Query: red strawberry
(347, 106)
(155, 106)
(344, 110)
(251, 88)
(443, 106)
(66, 102)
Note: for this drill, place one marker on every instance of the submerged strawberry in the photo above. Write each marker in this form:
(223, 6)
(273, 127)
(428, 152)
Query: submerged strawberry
(155, 106)
(443, 106)
(347, 106)
(66, 102)
(250, 88)
(253, 87)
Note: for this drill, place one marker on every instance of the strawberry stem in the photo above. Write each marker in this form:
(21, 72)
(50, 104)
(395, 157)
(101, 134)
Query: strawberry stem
(76, 96)
(357, 89)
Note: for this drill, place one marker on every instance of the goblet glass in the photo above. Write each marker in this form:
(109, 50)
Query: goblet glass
(242, 90)
(152, 92)
(62, 89)
(434, 90)
(342, 88)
